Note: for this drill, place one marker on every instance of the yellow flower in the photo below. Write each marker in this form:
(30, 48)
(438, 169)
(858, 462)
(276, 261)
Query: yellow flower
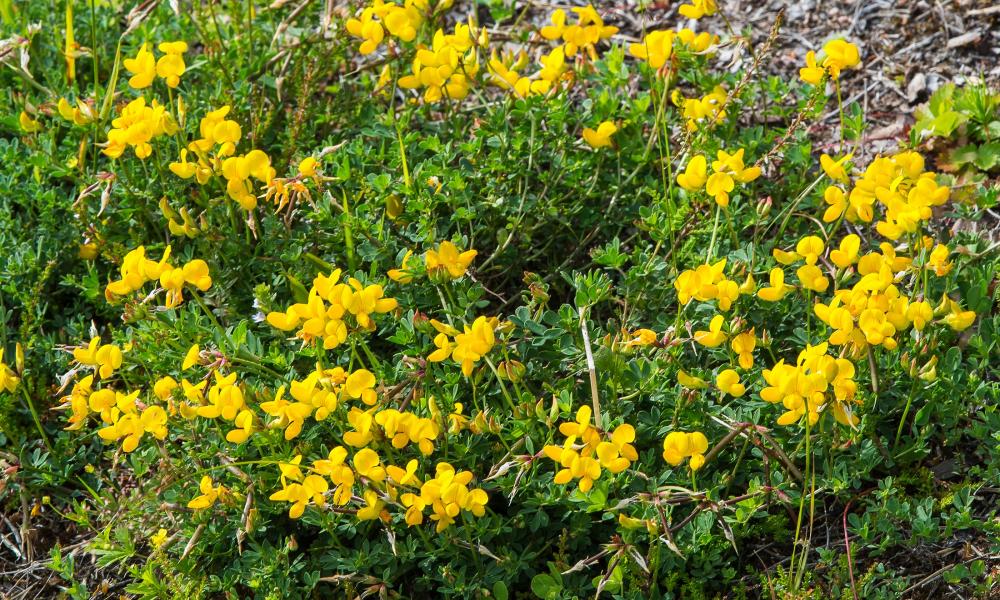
(209, 494)
(444, 70)
(641, 337)
(655, 48)
(810, 248)
(81, 114)
(728, 382)
(718, 186)
(699, 42)
(728, 169)
(834, 169)
(847, 254)
(191, 357)
(105, 359)
(244, 427)
(158, 539)
(28, 125)
(8, 380)
(581, 427)
(367, 29)
(310, 490)
(698, 9)
(938, 260)
(958, 319)
(678, 445)
(812, 73)
(601, 138)
(469, 346)
(617, 454)
(574, 466)
(919, 313)
(366, 464)
(446, 261)
(555, 30)
(142, 68)
(836, 203)
(840, 54)
(690, 381)
(171, 65)
(361, 384)
(714, 336)
(290, 415)
(777, 288)
(307, 167)
(743, 345)
(373, 507)
(695, 175)
(812, 278)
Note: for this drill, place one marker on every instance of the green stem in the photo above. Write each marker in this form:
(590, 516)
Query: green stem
(715, 229)
(503, 388)
(906, 411)
(34, 417)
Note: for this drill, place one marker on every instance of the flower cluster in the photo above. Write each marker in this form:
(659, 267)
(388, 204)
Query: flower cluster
(382, 18)
(136, 270)
(505, 72)
(136, 126)
(727, 170)
(708, 282)
(446, 69)
(401, 428)
(709, 109)
(216, 154)
(583, 35)
(145, 67)
(678, 445)
(816, 382)
(907, 193)
(657, 47)
(447, 494)
(324, 314)
(105, 359)
(465, 347)
(318, 395)
(837, 55)
(444, 263)
(578, 460)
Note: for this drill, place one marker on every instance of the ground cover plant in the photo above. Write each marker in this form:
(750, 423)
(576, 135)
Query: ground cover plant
(488, 300)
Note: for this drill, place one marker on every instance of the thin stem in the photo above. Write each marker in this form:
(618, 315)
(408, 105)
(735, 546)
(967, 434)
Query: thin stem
(906, 411)
(34, 417)
(715, 229)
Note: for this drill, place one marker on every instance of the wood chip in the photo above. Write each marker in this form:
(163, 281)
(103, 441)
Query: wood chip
(968, 37)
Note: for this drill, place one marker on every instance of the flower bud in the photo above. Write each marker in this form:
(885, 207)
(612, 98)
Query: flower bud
(764, 206)
(511, 370)
(19, 358)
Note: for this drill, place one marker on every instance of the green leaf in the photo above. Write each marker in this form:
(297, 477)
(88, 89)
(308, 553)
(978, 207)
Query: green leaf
(988, 156)
(500, 590)
(545, 586)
